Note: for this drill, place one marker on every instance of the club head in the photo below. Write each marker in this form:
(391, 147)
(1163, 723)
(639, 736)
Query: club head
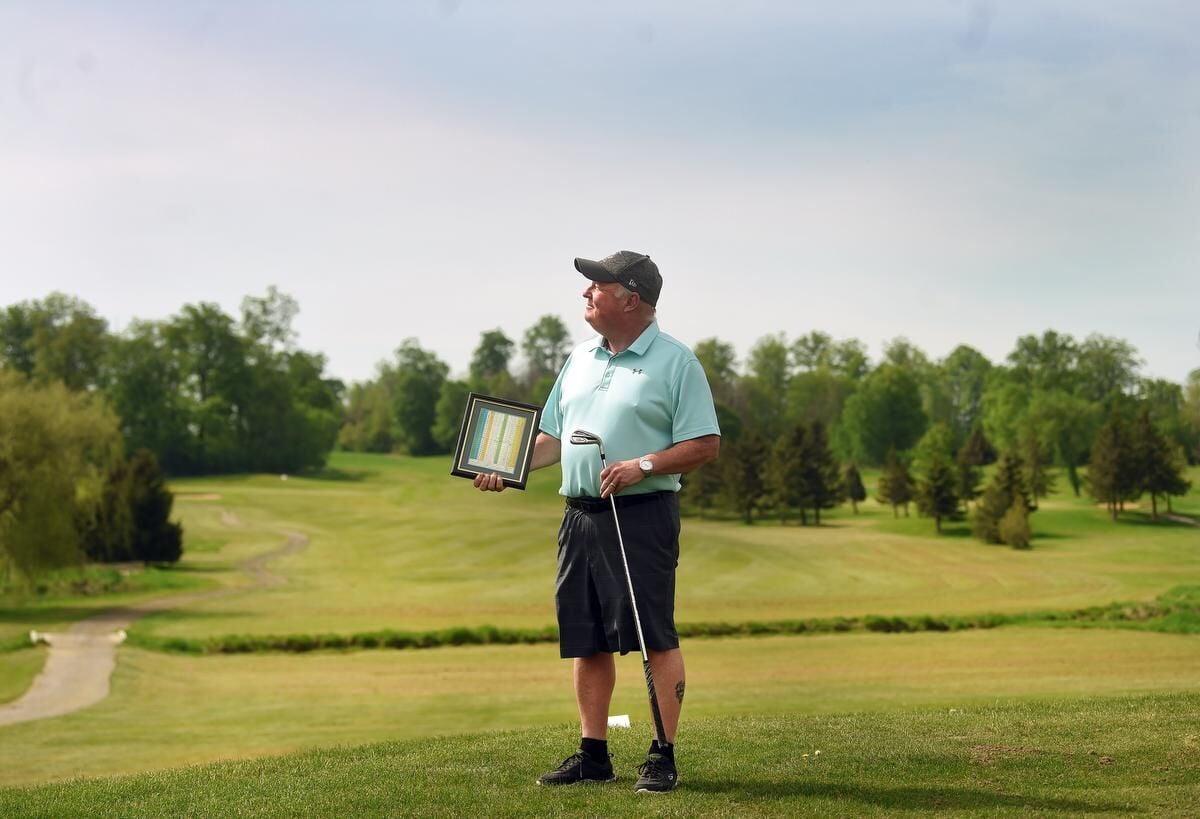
(581, 437)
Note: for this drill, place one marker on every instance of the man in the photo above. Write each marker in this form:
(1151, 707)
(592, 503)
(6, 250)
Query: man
(645, 395)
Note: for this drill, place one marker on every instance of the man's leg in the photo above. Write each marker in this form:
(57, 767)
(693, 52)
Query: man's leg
(667, 667)
(595, 677)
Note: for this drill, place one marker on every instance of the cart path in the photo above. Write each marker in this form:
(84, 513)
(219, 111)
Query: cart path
(80, 661)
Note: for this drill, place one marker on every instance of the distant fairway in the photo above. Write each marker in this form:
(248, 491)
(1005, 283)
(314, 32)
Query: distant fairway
(409, 547)
(396, 543)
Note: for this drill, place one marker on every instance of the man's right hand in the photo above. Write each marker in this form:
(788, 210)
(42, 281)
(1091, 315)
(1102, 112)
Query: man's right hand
(489, 483)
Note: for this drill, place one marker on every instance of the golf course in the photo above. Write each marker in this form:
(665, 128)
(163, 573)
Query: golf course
(863, 666)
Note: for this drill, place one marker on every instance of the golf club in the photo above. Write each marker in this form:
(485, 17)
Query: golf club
(582, 437)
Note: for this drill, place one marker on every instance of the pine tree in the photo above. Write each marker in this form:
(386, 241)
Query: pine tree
(853, 489)
(968, 475)
(1014, 526)
(895, 484)
(820, 472)
(1155, 462)
(977, 449)
(1112, 477)
(1038, 479)
(1006, 488)
(936, 491)
(155, 538)
(784, 478)
(742, 470)
(702, 487)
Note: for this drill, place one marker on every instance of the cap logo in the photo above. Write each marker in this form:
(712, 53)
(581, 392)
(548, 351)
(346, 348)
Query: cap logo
(632, 283)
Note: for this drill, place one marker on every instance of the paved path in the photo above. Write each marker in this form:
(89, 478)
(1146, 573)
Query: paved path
(81, 660)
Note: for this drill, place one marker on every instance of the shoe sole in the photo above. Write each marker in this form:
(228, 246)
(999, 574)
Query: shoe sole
(648, 790)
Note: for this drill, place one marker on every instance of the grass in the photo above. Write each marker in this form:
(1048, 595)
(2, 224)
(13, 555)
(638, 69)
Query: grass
(410, 548)
(396, 544)
(1119, 756)
(167, 710)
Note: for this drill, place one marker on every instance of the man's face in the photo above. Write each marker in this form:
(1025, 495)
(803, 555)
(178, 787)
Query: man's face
(604, 305)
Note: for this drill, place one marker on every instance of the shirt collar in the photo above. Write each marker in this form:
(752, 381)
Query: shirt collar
(639, 346)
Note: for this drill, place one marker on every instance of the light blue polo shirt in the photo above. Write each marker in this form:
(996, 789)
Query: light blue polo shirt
(640, 401)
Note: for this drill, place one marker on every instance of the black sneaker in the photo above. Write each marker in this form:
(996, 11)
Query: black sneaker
(579, 767)
(657, 775)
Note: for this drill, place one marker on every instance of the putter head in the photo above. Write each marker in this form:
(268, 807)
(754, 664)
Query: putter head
(581, 437)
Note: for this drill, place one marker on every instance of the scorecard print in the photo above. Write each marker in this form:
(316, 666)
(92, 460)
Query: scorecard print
(496, 438)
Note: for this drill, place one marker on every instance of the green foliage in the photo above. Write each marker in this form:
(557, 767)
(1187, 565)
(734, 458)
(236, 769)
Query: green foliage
(1112, 471)
(895, 486)
(961, 379)
(743, 464)
(1014, 526)
(853, 489)
(719, 362)
(131, 522)
(1006, 489)
(885, 413)
(55, 446)
(57, 339)
(545, 347)
(820, 479)
(1038, 479)
(936, 489)
(415, 384)
(783, 476)
(451, 404)
(1160, 470)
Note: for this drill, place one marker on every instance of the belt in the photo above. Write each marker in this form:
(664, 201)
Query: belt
(623, 501)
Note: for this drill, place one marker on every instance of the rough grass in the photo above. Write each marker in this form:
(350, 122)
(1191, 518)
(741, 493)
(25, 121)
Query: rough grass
(1119, 757)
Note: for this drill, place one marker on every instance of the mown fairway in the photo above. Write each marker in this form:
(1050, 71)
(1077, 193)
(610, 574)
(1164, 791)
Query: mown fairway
(408, 547)
(1122, 757)
(396, 543)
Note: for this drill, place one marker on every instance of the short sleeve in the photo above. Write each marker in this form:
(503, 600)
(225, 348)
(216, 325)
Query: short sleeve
(551, 422)
(695, 415)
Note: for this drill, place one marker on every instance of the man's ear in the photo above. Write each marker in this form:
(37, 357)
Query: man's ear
(633, 302)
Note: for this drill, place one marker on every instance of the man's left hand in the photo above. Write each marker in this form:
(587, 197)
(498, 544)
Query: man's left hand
(618, 476)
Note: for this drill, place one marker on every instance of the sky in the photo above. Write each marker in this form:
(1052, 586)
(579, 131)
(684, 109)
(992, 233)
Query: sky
(950, 171)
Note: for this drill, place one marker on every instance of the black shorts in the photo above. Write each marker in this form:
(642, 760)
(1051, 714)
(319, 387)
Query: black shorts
(591, 594)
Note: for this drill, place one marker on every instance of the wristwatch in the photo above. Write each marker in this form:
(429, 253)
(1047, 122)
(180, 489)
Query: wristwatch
(646, 466)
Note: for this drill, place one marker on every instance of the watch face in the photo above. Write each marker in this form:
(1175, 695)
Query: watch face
(646, 466)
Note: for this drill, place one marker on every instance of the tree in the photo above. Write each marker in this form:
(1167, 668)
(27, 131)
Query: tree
(819, 471)
(1112, 477)
(545, 347)
(936, 491)
(895, 484)
(451, 404)
(1014, 526)
(742, 469)
(962, 377)
(702, 487)
(415, 384)
(368, 424)
(1108, 369)
(852, 486)
(1006, 488)
(1038, 480)
(1159, 471)
(812, 351)
(784, 476)
(1046, 363)
(968, 475)
(936, 487)
(1190, 413)
(766, 382)
(1065, 425)
(55, 447)
(720, 368)
(489, 362)
(155, 538)
(884, 413)
(57, 339)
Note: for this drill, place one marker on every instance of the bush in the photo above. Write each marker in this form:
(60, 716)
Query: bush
(1014, 526)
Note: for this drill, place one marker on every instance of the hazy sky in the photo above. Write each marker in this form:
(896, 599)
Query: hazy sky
(950, 171)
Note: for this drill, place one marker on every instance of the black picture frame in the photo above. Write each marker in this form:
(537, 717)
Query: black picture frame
(496, 437)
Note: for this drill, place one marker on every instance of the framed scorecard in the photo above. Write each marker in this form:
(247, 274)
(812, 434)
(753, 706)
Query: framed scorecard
(496, 439)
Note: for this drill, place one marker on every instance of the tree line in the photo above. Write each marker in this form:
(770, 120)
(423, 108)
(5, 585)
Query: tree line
(198, 393)
(203, 392)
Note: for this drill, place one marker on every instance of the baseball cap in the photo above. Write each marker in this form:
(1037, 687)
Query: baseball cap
(633, 270)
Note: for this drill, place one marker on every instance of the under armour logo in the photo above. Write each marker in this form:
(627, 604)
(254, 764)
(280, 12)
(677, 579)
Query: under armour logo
(638, 372)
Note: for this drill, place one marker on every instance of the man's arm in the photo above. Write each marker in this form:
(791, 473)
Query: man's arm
(546, 452)
(679, 458)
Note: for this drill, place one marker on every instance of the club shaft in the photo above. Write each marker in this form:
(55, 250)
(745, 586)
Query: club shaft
(637, 620)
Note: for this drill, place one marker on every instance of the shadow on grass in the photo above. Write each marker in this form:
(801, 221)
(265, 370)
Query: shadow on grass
(41, 615)
(331, 473)
(1163, 522)
(910, 798)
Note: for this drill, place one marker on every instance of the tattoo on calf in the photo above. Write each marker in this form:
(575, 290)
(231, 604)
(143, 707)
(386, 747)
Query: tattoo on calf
(679, 691)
